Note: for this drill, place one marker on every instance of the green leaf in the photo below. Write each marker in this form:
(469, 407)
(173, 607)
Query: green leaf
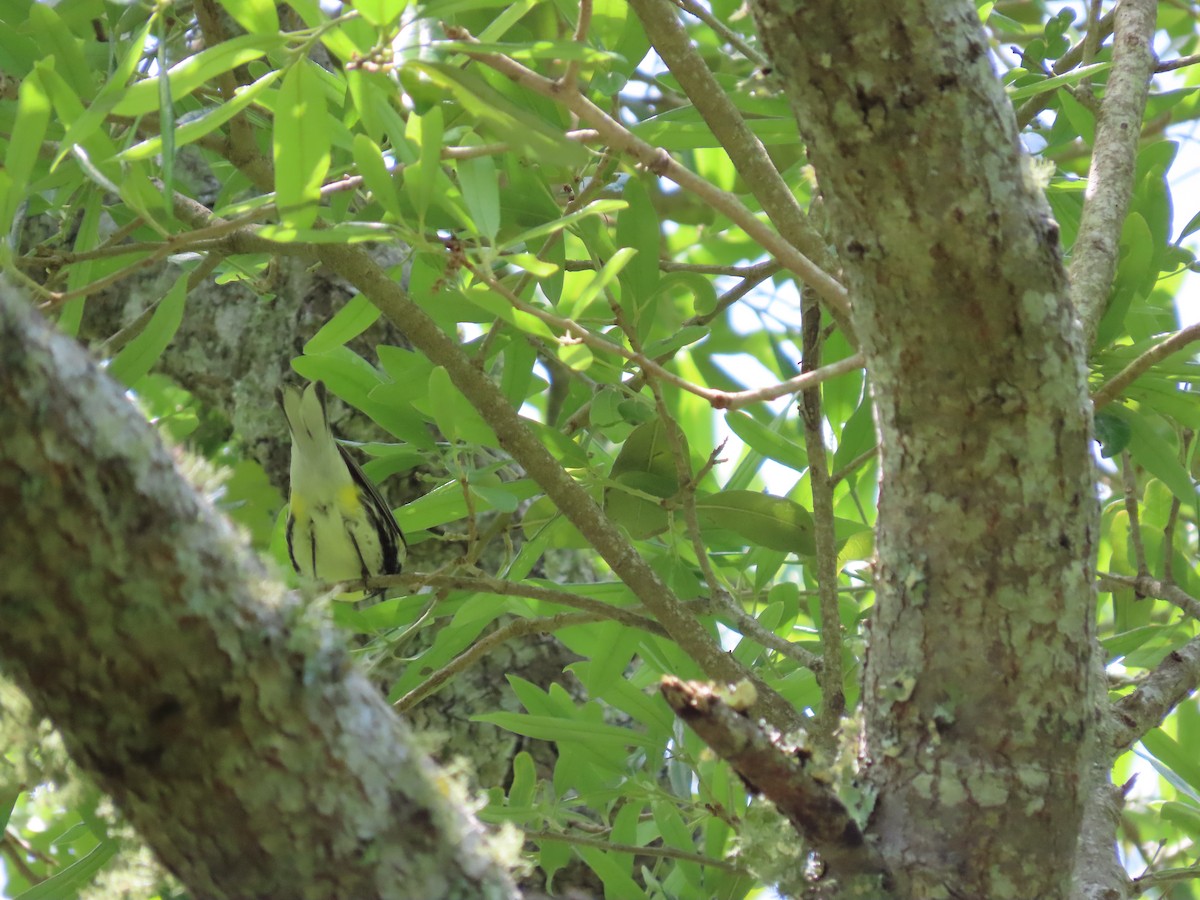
(560, 730)
(481, 191)
(74, 878)
(256, 16)
(607, 647)
(678, 835)
(380, 13)
(638, 227)
(554, 50)
(645, 468)
(425, 131)
(767, 440)
(166, 117)
(501, 308)
(88, 123)
(1183, 815)
(522, 130)
(192, 72)
(1179, 765)
(680, 339)
(192, 128)
(302, 145)
(342, 233)
(1048, 84)
(337, 40)
(595, 208)
(601, 280)
(57, 43)
(1082, 118)
(1136, 274)
(140, 354)
(33, 115)
(764, 520)
(368, 158)
(1190, 228)
(347, 323)
(1151, 448)
(618, 885)
(1112, 431)
(456, 418)
(345, 373)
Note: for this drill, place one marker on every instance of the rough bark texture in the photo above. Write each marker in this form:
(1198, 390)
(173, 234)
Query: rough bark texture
(230, 727)
(978, 687)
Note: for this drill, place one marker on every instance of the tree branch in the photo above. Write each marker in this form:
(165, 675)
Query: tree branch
(660, 163)
(1113, 388)
(745, 150)
(1110, 181)
(1171, 682)
(833, 696)
(143, 627)
(571, 498)
(780, 774)
(1065, 63)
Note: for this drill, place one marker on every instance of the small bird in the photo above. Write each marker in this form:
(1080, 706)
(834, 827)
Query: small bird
(339, 528)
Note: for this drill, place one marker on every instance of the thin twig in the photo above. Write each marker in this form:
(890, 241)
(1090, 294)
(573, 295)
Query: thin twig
(1145, 586)
(1129, 483)
(833, 696)
(1163, 878)
(481, 648)
(1172, 681)
(1065, 63)
(1168, 567)
(663, 852)
(1112, 388)
(753, 629)
(748, 283)
(683, 464)
(571, 76)
(838, 476)
(1181, 63)
(766, 268)
(718, 399)
(750, 158)
(658, 161)
(634, 617)
(730, 36)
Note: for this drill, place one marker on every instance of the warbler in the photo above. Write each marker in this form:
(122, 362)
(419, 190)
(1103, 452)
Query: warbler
(339, 528)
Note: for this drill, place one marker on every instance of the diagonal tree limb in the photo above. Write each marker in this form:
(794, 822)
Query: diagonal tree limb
(746, 151)
(183, 680)
(779, 774)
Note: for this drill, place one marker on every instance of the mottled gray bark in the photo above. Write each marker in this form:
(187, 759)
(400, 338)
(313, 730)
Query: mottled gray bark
(979, 696)
(226, 721)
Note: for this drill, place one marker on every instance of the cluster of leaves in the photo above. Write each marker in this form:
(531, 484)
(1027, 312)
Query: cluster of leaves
(614, 311)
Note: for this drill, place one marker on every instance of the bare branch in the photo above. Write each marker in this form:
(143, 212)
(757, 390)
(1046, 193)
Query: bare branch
(1110, 181)
(833, 697)
(1152, 587)
(1171, 682)
(1112, 389)
(779, 773)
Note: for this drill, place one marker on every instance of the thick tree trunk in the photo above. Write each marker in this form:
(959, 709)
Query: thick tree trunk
(227, 722)
(979, 692)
